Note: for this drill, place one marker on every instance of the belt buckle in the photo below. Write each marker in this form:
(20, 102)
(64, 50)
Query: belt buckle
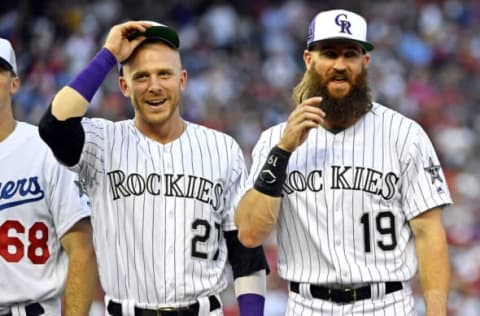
(178, 310)
(167, 309)
(354, 293)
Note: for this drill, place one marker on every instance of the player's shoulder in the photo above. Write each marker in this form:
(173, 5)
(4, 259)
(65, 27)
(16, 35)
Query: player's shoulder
(403, 124)
(28, 133)
(98, 121)
(99, 124)
(273, 133)
(205, 131)
(382, 110)
(24, 142)
(27, 129)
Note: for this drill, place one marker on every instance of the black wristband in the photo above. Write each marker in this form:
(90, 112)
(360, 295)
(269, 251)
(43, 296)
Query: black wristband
(272, 176)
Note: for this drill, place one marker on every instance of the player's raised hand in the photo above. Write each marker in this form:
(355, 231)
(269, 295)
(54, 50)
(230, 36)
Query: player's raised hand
(307, 115)
(119, 44)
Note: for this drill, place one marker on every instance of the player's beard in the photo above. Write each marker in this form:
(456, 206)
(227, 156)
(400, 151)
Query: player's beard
(343, 110)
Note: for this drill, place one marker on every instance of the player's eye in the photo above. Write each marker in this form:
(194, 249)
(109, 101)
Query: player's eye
(140, 76)
(329, 54)
(165, 74)
(351, 53)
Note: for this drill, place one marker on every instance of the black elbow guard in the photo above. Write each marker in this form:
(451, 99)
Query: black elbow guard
(244, 261)
(65, 138)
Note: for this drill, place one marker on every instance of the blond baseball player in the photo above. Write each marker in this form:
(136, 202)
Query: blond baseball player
(163, 189)
(45, 234)
(354, 189)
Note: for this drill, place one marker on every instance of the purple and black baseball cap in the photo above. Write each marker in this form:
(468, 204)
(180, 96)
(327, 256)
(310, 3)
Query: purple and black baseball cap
(338, 24)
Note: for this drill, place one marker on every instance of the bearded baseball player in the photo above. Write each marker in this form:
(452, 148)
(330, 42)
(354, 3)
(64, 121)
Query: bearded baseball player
(163, 190)
(46, 247)
(354, 189)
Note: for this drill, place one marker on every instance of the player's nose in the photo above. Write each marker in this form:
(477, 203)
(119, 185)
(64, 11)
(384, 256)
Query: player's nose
(155, 84)
(339, 64)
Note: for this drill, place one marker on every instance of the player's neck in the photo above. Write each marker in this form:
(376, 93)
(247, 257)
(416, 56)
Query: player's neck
(335, 126)
(163, 133)
(7, 123)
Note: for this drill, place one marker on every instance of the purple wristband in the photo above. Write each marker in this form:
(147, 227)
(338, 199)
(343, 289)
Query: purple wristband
(251, 304)
(91, 77)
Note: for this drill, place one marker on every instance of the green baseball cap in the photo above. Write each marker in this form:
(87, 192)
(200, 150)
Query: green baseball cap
(159, 31)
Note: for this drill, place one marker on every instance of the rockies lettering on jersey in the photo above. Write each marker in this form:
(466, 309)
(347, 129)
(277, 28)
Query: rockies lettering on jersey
(345, 178)
(192, 187)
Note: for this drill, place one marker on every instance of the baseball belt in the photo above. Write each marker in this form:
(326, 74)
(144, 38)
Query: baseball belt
(34, 309)
(344, 296)
(115, 309)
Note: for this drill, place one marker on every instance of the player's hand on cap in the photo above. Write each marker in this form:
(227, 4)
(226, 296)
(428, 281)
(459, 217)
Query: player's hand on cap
(307, 115)
(117, 41)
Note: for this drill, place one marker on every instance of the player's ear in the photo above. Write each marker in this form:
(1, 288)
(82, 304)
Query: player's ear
(123, 86)
(307, 58)
(15, 85)
(366, 58)
(183, 79)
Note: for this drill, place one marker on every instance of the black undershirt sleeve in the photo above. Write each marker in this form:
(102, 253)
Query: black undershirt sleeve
(244, 261)
(65, 138)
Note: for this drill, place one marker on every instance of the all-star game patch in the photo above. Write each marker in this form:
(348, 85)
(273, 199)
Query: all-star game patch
(434, 171)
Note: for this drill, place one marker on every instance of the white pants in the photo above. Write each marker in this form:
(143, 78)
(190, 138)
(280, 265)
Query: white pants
(398, 303)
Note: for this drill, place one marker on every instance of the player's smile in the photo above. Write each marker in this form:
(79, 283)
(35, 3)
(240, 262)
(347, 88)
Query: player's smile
(156, 102)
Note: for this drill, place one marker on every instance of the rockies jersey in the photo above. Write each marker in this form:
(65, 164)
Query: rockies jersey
(159, 210)
(348, 197)
(40, 201)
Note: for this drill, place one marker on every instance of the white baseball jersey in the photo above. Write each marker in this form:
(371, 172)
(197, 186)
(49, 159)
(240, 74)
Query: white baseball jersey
(347, 199)
(159, 210)
(40, 201)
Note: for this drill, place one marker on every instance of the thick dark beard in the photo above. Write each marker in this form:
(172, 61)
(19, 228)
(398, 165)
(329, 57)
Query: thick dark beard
(341, 112)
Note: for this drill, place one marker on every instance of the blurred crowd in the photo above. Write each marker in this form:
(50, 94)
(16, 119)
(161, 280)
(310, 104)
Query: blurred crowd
(243, 58)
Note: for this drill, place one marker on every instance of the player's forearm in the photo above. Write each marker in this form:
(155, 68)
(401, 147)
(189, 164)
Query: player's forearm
(251, 291)
(256, 217)
(81, 283)
(69, 103)
(434, 269)
(73, 99)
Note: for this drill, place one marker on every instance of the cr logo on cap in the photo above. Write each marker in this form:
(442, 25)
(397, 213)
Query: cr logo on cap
(343, 23)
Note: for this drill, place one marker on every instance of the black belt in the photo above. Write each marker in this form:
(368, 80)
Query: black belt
(34, 309)
(345, 296)
(115, 309)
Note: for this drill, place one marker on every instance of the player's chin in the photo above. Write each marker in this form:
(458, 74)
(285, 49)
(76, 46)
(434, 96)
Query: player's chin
(152, 114)
(153, 109)
(339, 91)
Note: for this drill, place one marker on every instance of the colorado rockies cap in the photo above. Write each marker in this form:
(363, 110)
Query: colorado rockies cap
(159, 31)
(338, 24)
(7, 56)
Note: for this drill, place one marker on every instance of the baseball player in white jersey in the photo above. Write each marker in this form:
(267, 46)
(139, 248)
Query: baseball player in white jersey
(354, 189)
(45, 232)
(163, 189)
